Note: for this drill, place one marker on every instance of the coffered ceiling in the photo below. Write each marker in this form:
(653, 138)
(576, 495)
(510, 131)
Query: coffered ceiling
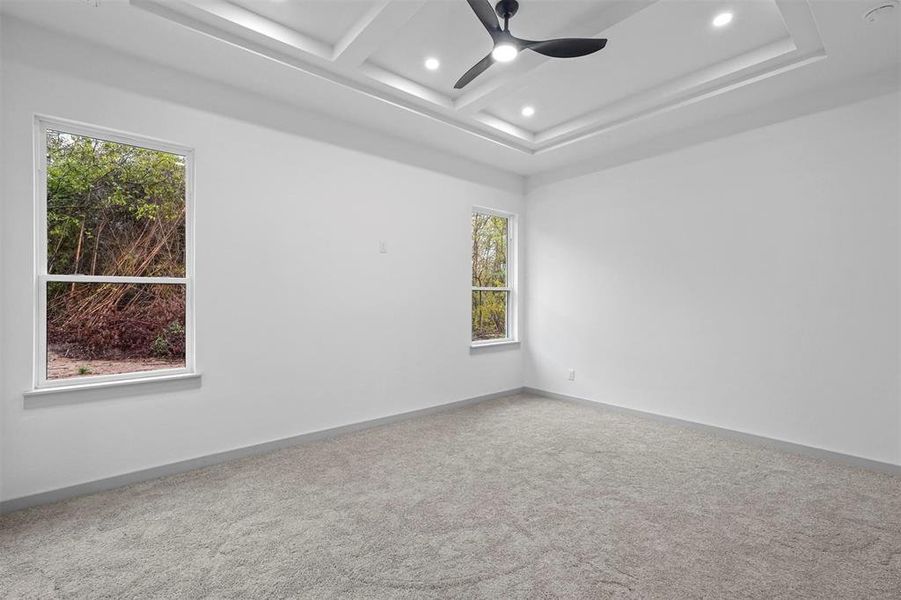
(666, 68)
(662, 53)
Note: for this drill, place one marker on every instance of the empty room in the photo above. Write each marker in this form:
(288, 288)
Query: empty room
(408, 299)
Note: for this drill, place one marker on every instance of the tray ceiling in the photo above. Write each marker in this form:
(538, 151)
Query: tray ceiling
(662, 54)
(352, 72)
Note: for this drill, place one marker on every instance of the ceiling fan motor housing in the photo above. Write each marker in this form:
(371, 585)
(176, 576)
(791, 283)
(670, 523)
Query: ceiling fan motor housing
(505, 9)
(507, 46)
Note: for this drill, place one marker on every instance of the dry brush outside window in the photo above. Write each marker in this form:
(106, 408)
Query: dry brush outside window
(114, 283)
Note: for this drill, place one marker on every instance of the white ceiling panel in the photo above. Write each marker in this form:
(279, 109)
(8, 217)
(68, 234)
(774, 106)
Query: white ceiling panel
(449, 31)
(661, 44)
(323, 20)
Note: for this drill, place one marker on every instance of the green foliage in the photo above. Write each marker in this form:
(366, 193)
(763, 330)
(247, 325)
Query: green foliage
(489, 315)
(169, 341)
(489, 250)
(114, 209)
(489, 269)
(84, 371)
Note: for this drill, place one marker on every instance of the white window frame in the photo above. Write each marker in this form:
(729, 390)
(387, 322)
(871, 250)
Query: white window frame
(41, 125)
(511, 288)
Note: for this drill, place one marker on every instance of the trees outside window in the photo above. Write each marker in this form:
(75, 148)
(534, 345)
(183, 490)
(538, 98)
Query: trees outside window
(492, 289)
(114, 280)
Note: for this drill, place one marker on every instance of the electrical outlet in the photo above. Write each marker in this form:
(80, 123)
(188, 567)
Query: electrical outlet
(383, 247)
(572, 374)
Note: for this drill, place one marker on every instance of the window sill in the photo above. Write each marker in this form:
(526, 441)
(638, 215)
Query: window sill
(103, 385)
(493, 344)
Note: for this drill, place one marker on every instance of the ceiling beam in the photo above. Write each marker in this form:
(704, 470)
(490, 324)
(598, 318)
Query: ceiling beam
(238, 17)
(801, 46)
(801, 25)
(373, 30)
(704, 83)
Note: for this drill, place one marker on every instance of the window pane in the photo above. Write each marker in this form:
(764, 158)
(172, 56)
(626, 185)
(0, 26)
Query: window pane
(109, 328)
(489, 315)
(113, 209)
(489, 251)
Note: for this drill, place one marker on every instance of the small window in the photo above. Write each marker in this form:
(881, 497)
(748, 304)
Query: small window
(493, 277)
(114, 280)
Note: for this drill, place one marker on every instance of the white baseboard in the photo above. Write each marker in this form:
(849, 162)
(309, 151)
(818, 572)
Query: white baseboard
(116, 481)
(108, 483)
(759, 440)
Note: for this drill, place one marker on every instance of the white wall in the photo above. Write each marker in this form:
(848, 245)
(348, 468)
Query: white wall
(301, 324)
(750, 282)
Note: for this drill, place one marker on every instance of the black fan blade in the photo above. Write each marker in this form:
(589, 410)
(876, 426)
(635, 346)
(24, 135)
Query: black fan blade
(475, 71)
(565, 47)
(486, 14)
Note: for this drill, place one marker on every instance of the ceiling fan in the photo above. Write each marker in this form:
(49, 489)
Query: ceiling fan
(506, 47)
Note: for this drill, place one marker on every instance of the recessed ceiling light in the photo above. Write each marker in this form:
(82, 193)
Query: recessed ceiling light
(432, 64)
(528, 111)
(722, 19)
(504, 52)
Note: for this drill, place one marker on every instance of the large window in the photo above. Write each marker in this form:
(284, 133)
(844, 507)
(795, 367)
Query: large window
(493, 277)
(114, 280)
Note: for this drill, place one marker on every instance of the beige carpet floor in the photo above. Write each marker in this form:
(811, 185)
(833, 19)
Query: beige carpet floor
(516, 498)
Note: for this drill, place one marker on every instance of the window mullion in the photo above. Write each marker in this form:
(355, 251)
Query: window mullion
(113, 279)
